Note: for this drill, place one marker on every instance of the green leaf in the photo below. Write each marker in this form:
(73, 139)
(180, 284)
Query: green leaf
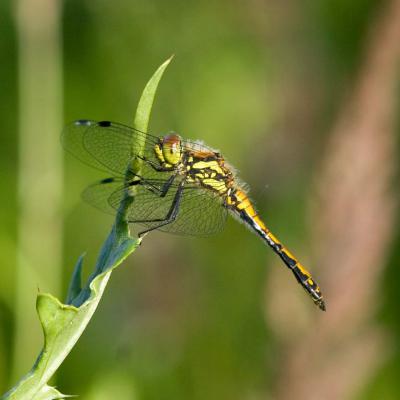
(75, 286)
(63, 324)
(142, 117)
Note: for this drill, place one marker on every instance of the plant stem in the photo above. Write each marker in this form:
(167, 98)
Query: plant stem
(40, 169)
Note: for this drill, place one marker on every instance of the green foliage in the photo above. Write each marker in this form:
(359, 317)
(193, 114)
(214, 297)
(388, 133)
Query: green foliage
(63, 324)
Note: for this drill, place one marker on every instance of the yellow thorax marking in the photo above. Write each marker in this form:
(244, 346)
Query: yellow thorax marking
(215, 184)
(208, 164)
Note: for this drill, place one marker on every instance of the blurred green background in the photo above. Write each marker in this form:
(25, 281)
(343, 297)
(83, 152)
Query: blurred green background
(188, 318)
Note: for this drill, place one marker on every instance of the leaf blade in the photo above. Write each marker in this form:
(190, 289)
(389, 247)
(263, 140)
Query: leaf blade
(63, 324)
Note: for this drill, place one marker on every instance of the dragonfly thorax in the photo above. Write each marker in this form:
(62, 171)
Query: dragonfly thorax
(170, 149)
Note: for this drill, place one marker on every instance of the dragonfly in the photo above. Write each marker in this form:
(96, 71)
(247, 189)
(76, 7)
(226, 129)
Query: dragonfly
(176, 185)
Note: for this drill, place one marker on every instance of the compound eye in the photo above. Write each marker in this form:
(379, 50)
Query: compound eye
(172, 141)
(172, 148)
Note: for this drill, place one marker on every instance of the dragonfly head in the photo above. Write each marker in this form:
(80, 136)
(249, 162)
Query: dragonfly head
(172, 148)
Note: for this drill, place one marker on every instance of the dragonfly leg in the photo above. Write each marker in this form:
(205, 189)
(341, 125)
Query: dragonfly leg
(155, 166)
(167, 185)
(171, 215)
(153, 188)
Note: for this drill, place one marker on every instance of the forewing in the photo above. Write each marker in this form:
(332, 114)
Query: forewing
(106, 145)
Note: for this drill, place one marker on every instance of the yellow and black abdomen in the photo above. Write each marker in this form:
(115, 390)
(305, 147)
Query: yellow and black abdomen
(239, 203)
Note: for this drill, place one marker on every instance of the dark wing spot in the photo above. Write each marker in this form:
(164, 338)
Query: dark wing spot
(107, 180)
(104, 124)
(82, 122)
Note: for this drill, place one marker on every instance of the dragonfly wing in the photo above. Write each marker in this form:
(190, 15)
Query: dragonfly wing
(105, 145)
(98, 194)
(107, 194)
(200, 213)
